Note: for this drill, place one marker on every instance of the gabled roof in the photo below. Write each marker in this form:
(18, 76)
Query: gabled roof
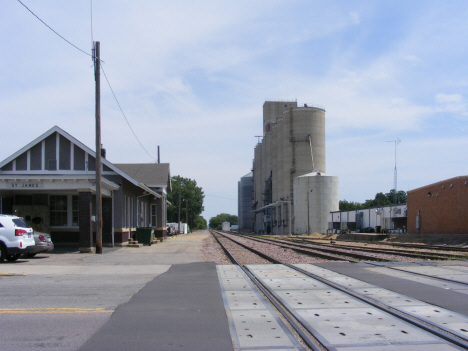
(44, 136)
(78, 143)
(152, 174)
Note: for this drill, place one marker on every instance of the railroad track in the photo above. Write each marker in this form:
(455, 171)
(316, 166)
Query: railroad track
(313, 324)
(358, 256)
(429, 247)
(398, 252)
(330, 252)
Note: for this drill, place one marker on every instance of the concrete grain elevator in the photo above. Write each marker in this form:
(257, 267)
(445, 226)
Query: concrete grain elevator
(292, 194)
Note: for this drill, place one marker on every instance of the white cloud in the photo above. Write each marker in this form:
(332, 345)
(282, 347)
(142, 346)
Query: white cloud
(454, 103)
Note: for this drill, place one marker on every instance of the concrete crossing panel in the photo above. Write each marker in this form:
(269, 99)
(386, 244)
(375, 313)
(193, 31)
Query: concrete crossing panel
(340, 321)
(254, 325)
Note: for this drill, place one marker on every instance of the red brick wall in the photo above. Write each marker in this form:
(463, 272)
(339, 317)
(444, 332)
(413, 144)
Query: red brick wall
(443, 207)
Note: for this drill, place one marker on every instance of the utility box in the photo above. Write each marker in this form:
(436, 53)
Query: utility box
(226, 226)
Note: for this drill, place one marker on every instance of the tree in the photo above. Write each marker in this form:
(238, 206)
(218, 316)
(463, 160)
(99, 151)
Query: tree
(379, 200)
(191, 201)
(401, 197)
(199, 223)
(217, 222)
(349, 205)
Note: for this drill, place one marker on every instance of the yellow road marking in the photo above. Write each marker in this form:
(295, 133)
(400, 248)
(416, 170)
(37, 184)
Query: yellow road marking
(54, 310)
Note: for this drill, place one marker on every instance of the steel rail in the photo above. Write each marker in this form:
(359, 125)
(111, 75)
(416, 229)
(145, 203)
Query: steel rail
(429, 247)
(392, 248)
(402, 270)
(422, 274)
(356, 256)
(425, 325)
(266, 292)
(407, 253)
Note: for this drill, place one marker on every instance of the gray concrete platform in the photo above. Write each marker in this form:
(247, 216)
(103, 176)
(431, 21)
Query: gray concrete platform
(181, 309)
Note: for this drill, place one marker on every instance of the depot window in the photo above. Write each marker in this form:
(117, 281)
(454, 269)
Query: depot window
(58, 210)
(63, 210)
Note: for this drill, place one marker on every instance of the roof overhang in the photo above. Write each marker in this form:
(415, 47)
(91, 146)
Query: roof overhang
(148, 190)
(80, 183)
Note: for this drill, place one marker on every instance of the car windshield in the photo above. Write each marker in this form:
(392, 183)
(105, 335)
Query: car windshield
(20, 223)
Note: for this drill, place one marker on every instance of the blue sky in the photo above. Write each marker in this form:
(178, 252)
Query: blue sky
(192, 77)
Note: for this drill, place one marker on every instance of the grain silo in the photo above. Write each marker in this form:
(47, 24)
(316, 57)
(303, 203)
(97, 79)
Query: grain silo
(245, 192)
(272, 110)
(315, 196)
(308, 126)
(293, 146)
(257, 169)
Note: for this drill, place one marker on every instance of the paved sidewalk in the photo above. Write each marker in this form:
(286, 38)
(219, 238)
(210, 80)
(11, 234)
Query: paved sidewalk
(181, 309)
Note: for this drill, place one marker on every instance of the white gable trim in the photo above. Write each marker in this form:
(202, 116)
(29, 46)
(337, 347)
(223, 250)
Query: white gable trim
(60, 131)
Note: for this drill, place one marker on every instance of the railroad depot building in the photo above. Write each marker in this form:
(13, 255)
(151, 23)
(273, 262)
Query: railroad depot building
(51, 183)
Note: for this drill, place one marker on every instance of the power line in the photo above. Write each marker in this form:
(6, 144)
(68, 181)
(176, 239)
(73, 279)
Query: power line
(101, 69)
(76, 47)
(123, 114)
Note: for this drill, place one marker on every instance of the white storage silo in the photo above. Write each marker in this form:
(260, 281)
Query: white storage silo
(315, 196)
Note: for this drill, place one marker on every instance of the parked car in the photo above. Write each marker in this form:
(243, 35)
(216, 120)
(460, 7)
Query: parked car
(43, 244)
(16, 238)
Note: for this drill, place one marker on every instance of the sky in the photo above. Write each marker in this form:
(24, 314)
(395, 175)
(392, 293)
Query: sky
(192, 78)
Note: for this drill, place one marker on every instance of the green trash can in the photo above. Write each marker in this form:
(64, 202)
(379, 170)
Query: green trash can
(145, 235)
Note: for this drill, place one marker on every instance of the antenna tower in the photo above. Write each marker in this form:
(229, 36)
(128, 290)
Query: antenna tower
(397, 141)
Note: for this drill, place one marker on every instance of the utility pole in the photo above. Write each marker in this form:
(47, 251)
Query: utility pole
(186, 213)
(97, 78)
(179, 206)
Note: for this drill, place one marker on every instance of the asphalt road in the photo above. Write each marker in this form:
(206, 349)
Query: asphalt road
(58, 301)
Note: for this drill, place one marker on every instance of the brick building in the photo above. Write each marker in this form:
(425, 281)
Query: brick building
(439, 208)
(51, 183)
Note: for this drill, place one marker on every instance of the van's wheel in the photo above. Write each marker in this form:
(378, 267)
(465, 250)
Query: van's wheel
(14, 257)
(2, 253)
